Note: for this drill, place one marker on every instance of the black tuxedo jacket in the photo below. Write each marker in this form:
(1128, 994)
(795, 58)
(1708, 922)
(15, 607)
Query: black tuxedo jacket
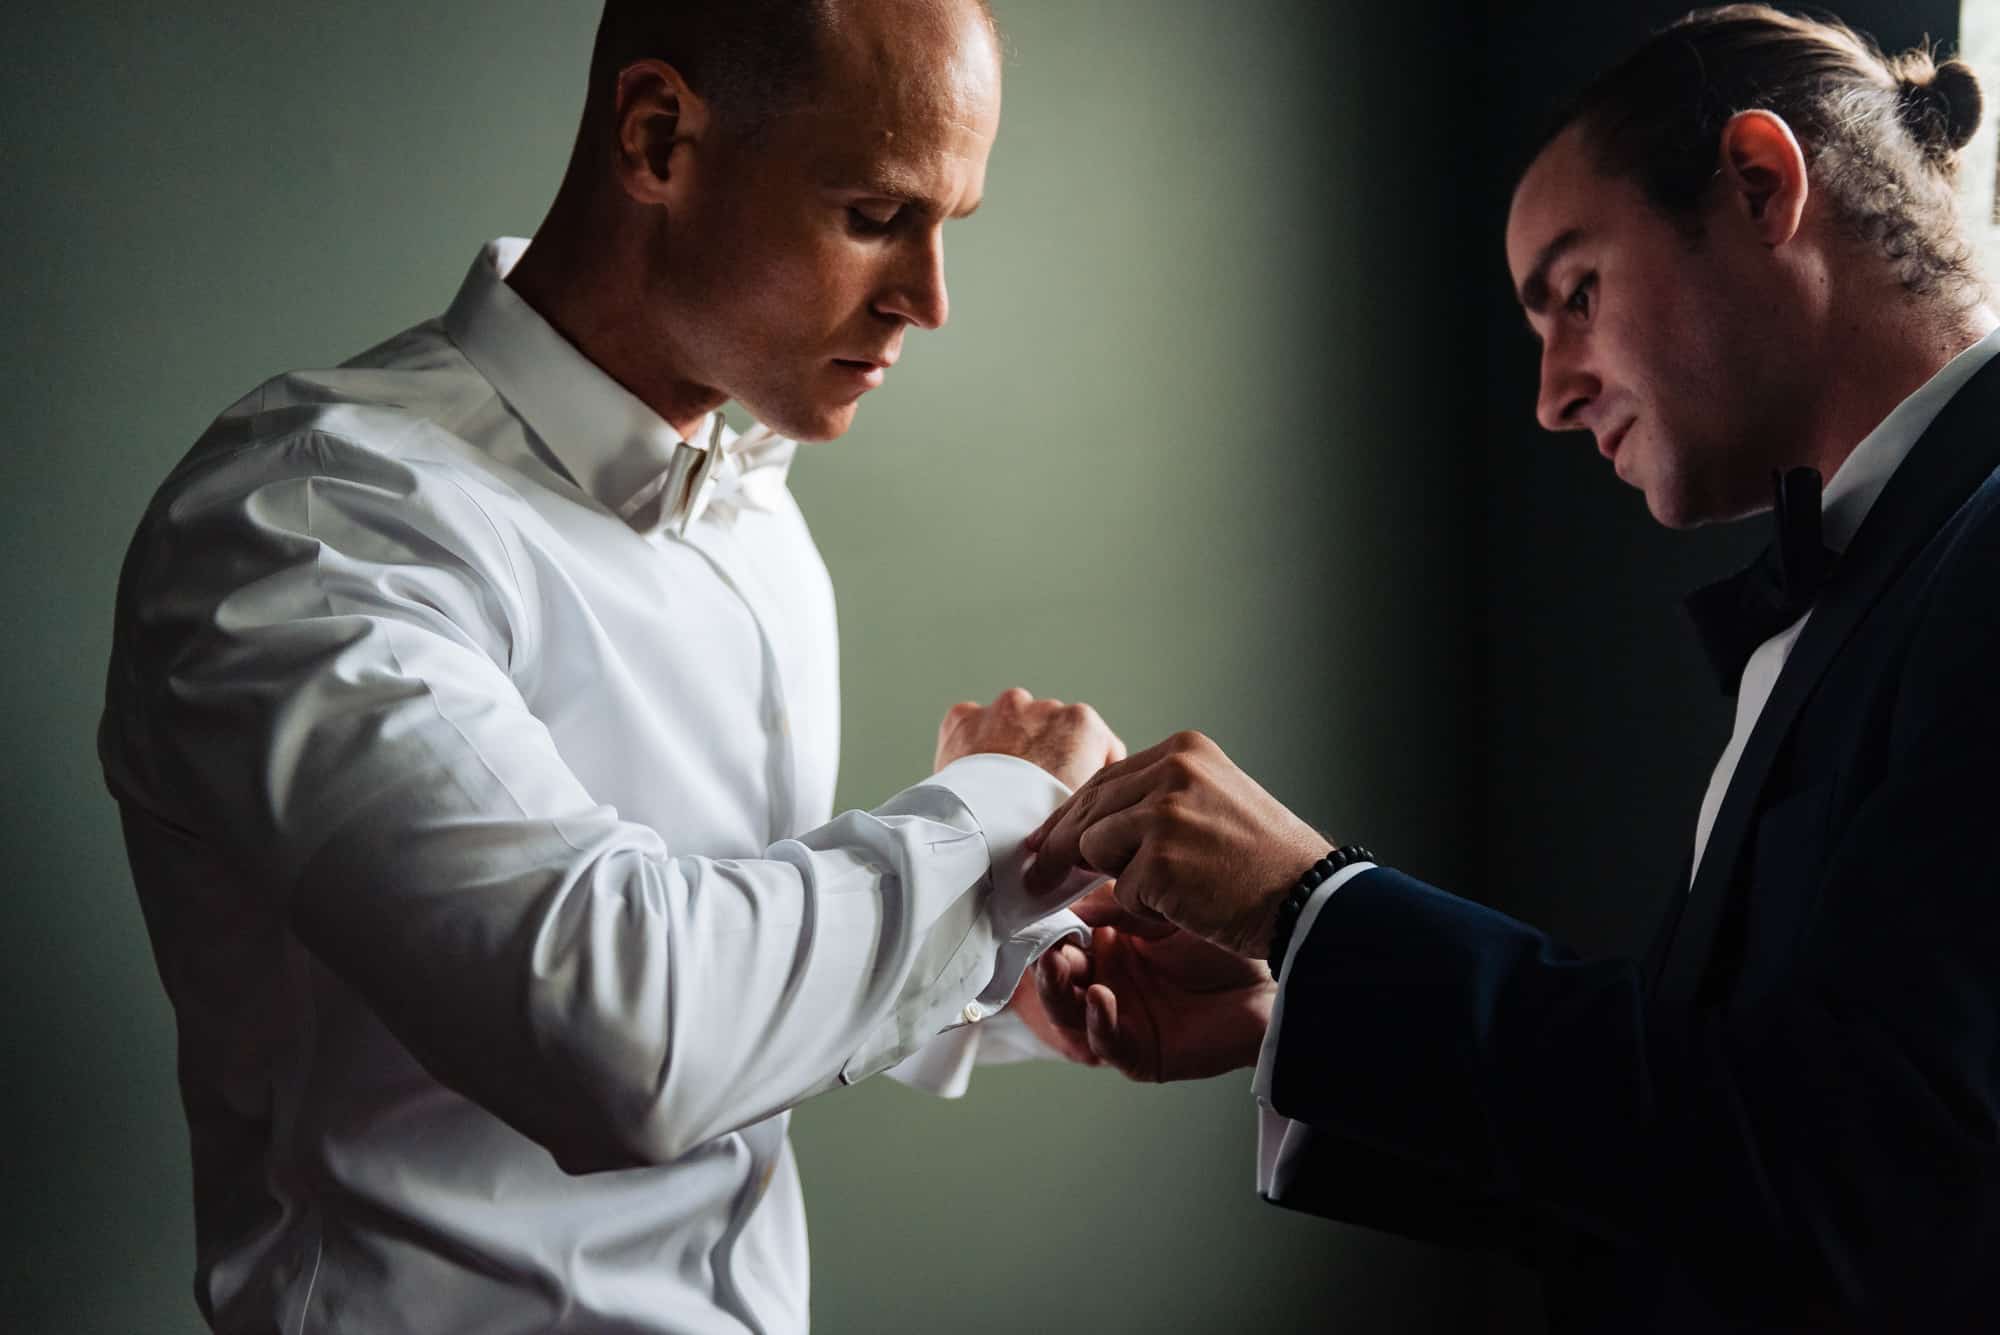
(1789, 1116)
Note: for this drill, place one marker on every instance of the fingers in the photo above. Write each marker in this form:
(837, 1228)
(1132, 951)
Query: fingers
(1181, 743)
(1108, 1043)
(1061, 976)
(1071, 741)
(1063, 968)
(1114, 1010)
(1100, 908)
(1059, 847)
(1110, 845)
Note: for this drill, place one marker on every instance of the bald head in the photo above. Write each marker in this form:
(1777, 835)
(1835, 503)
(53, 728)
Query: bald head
(756, 204)
(755, 60)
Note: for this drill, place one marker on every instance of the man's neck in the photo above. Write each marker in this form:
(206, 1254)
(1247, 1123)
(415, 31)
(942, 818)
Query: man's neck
(1879, 363)
(586, 294)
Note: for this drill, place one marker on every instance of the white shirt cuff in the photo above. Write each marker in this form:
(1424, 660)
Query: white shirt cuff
(1279, 1139)
(1009, 798)
(944, 1065)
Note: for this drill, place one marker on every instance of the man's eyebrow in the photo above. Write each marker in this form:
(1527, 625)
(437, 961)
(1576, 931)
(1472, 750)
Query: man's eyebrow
(890, 183)
(1534, 292)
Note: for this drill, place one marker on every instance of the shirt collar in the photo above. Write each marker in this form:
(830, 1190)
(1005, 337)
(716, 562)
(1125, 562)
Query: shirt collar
(611, 444)
(1858, 481)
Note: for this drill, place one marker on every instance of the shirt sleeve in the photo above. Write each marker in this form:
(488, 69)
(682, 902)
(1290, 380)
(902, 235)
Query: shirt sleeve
(1278, 1137)
(319, 670)
(944, 1065)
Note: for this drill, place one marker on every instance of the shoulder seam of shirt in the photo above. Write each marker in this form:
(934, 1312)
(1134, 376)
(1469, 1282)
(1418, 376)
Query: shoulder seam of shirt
(526, 652)
(533, 649)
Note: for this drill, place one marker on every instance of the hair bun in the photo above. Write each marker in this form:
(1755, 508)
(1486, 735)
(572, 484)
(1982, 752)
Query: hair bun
(1942, 105)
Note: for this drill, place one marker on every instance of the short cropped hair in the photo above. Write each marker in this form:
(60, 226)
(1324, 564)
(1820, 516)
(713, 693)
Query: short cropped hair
(1880, 134)
(752, 60)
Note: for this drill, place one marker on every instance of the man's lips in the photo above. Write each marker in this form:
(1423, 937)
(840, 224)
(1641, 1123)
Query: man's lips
(867, 372)
(1608, 445)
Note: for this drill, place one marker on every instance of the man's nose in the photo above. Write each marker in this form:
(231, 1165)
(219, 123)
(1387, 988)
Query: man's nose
(919, 294)
(1566, 389)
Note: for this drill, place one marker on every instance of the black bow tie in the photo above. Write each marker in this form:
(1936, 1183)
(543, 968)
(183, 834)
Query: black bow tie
(1736, 615)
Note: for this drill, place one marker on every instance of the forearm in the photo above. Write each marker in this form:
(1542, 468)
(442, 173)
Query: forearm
(620, 1004)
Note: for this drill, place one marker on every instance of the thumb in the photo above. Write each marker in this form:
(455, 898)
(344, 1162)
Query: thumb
(1108, 1042)
(1100, 908)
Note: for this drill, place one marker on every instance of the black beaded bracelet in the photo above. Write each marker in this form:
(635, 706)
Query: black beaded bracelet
(1295, 903)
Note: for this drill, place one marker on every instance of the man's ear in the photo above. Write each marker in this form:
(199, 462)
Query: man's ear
(659, 122)
(1763, 173)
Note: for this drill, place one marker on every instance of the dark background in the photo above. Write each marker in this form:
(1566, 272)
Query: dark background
(1233, 429)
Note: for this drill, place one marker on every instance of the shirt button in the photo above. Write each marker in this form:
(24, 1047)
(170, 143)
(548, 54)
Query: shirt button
(973, 1012)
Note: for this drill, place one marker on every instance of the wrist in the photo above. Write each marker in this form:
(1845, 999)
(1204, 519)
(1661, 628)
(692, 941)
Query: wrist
(1285, 918)
(1264, 925)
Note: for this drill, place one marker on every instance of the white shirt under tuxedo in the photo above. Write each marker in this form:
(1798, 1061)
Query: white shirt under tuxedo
(481, 822)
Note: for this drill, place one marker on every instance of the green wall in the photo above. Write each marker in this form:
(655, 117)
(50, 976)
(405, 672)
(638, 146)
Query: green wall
(1181, 453)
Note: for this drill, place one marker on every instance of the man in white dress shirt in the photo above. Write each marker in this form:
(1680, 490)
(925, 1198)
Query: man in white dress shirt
(1741, 259)
(473, 718)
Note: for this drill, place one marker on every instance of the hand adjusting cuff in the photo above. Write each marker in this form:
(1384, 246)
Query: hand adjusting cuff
(1295, 902)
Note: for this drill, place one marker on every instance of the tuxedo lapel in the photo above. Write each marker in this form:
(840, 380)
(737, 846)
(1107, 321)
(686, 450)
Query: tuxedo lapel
(1672, 905)
(1943, 468)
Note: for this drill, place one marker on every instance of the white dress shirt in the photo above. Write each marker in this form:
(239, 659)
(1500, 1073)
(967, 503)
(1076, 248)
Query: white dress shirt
(1844, 503)
(483, 839)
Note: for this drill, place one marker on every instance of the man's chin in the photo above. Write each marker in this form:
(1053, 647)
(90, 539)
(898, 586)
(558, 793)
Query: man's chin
(1667, 502)
(1666, 513)
(1676, 510)
(809, 424)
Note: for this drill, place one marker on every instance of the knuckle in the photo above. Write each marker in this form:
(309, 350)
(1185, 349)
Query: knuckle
(1192, 743)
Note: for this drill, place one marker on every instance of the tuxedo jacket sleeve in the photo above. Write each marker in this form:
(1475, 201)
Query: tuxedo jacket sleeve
(1831, 1134)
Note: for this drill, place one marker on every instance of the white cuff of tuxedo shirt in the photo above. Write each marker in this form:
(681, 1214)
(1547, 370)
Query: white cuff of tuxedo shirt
(1007, 810)
(1279, 1138)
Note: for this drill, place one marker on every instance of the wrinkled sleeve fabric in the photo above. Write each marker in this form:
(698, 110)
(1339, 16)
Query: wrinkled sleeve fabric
(1834, 1141)
(327, 649)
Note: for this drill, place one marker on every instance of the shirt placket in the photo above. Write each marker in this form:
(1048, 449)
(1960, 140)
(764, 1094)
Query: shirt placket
(764, 1140)
(725, 556)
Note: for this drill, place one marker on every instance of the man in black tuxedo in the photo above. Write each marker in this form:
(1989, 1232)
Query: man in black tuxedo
(1739, 255)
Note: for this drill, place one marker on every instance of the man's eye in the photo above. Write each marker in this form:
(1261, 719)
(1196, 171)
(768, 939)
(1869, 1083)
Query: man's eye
(871, 221)
(1580, 295)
